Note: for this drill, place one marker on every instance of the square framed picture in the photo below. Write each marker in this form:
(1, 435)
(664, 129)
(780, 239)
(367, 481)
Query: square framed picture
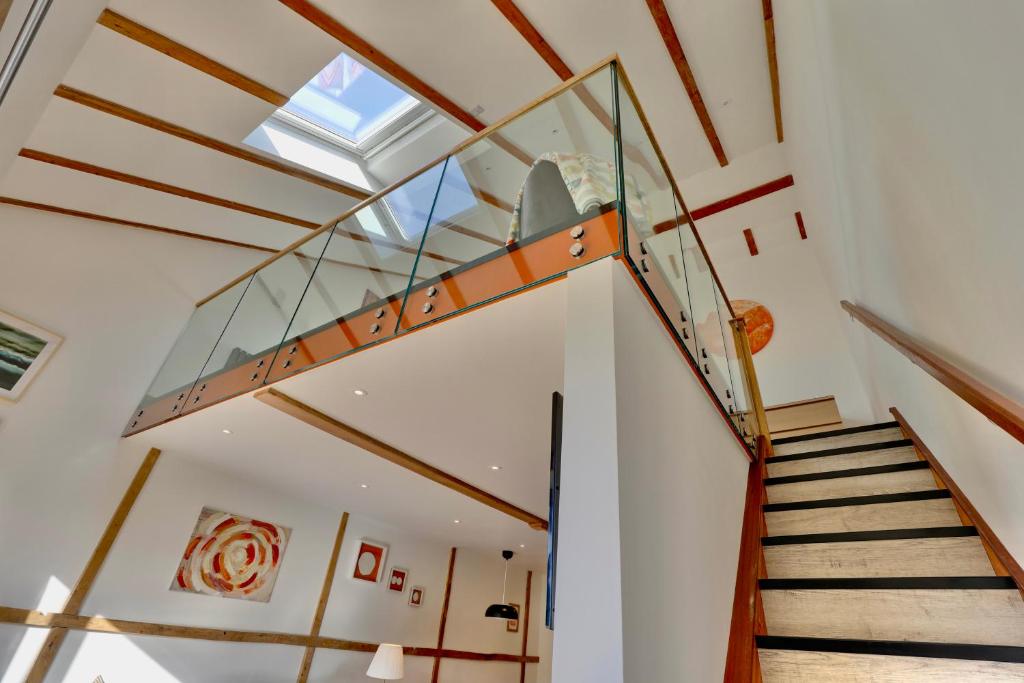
(370, 559)
(416, 596)
(24, 350)
(397, 578)
(512, 625)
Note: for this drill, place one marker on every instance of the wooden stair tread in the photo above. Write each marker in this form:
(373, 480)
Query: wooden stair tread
(823, 443)
(792, 666)
(905, 557)
(914, 514)
(992, 617)
(830, 463)
(863, 485)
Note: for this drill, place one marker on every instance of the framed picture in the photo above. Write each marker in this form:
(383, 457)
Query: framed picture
(397, 579)
(416, 596)
(512, 625)
(24, 350)
(370, 558)
(231, 556)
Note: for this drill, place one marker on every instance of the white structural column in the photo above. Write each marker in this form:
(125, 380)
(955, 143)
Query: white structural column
(652, 496)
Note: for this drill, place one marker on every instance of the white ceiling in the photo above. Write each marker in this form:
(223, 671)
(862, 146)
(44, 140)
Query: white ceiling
(472, 392)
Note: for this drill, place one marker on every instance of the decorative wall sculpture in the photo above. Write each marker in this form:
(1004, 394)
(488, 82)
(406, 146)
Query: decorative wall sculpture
(24, 349)
(232, 556)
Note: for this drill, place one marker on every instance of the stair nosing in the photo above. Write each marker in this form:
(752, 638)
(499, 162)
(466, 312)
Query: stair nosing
(842, 450)
(852, 501)
(1010, 654)
(836, 432)
(853, 472)
(891, 583)
(875, 535)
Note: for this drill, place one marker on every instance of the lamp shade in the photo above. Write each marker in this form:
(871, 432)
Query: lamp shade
(387, 664)
(498, 611)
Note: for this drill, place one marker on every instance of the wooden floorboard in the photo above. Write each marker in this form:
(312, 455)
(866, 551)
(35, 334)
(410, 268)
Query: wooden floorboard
(788, 666)
(873, 436)
(915, 514)
(905, 557)
(830, 463)
(866, 485)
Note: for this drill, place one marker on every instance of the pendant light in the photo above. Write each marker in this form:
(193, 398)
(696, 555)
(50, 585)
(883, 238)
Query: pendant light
(503, 610)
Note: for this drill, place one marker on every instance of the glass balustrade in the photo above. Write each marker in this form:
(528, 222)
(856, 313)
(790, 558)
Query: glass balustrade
(572, 178)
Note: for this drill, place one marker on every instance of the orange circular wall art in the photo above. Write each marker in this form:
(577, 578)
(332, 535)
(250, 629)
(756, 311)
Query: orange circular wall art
(232, 556)
(759, 322)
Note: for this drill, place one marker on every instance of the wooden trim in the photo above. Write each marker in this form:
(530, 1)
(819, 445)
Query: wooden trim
(773, 65)
(526, 624)
(32, 618)
(313, 417)
(83, 585)
(321, 605)
(741, 656)
(489, 131)
(963, 504)
(800, 225)
(130, 224)
(748, 235)
(92, 169)
(150, 38)
(114, 109)
(675, 51)
(444, 615)
(528, 31)
(803, 402)
(997, 407)
(334, 28)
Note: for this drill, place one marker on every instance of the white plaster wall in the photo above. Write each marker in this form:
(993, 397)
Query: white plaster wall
(682, 478)
(903, 127)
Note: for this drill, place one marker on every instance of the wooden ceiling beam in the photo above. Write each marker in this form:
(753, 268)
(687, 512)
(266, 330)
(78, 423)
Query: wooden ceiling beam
(114, 109)
(314, 418)
(675, 50)
(773, 64)
(161, 43)
(518, 20)
(729, 202)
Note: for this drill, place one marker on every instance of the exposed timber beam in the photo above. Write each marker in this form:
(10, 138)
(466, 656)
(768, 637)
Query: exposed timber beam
(773, 64)
(313, 417)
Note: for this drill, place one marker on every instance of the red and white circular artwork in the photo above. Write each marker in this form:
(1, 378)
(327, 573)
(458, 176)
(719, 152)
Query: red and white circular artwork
(369, 562)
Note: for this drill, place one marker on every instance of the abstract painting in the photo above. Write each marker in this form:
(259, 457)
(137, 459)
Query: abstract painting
(512, 625)
(370, 561)
(397, 579)
(232, 556)
(416, 596)
(759, 322)
(24, 349)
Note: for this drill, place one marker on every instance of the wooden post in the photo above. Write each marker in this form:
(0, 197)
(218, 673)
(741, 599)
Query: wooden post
(746, 360)
(73, 604)
(321, 606)
(444, 615)
(526, 625)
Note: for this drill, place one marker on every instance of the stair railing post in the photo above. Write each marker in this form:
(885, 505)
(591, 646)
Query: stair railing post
(746, 359)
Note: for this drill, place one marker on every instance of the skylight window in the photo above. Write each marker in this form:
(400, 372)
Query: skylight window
(350, 101)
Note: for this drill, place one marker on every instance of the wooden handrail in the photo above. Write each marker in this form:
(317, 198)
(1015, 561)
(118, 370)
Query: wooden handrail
(753, 388)
(997, 407)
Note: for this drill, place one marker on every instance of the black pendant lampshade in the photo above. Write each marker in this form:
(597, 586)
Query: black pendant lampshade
(503, 610)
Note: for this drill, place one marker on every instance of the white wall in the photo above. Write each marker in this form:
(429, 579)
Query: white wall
(903, 127)
(646, 453)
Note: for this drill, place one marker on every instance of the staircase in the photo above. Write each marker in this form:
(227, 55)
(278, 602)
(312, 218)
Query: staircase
(873, 573)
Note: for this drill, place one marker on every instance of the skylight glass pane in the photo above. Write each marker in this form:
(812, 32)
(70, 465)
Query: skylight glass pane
(406, 201)
(350, 100)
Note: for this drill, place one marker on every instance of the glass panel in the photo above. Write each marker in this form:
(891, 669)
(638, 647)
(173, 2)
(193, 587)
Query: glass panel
(736, 398)
(509, 203)
(356, 294)
(245, 351)
(167, 392)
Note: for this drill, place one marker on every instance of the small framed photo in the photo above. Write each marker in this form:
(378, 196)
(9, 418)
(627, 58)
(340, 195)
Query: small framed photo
(24, 350)
(512, 625)
(397, 579)
(416, 596)
(370, 559)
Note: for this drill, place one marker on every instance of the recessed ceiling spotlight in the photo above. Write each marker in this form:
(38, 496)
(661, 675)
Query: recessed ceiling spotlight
(226, 431)
(522, 545)
(495, 467)
(359, 392)
(364, 486)
(457, 521)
